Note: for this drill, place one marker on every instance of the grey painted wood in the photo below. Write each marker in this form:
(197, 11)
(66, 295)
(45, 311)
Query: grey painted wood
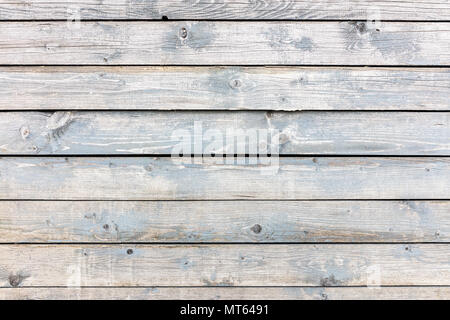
(225, 43)
(224, 221)
(227, 293)
(226, 88)
(146, 178)
(225, 265)
(225, 9)
(356, 133)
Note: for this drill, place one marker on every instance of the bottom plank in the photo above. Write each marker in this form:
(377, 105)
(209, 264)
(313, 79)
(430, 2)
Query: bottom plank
(229, 293)
(225, 265)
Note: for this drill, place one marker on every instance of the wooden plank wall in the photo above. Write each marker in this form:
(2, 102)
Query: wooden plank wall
(354, 203)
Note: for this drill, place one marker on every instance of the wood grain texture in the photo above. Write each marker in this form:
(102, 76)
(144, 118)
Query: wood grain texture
(285, 133)
(293, 178)
(226, 9)
(228, 293)
(225, 265)
(224, 43)
(224, 88)
(140, 248)
(224, 221)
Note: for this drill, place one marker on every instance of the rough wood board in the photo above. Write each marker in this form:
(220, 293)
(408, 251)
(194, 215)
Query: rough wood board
(226, 9)
(224, 88)
(224, 221)
(213, 132)
(227, 293)
(225, 43)
(225, 265)
(146, 178)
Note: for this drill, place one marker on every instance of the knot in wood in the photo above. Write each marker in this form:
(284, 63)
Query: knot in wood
(183, 33)
(15, 280)
(256, 228)
(235, 83)
(25, 132)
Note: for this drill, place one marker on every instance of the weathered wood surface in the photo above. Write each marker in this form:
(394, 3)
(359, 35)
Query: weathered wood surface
(224, 221)
(146, 249)
(356, 133)
(228, 293)
(226, 88)
(225, 9)
(146, 178)
(225, 265)
(224, 43)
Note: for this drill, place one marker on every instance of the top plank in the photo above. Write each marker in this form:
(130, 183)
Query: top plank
(224, 43)
(225, 9)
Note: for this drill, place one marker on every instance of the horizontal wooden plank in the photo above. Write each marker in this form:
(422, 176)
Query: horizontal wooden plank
(224, 221)
(145, 178)
(227, 293)
(224, 132)
(224, 43)
(225, 265)
(224, 88)
(225, 9)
